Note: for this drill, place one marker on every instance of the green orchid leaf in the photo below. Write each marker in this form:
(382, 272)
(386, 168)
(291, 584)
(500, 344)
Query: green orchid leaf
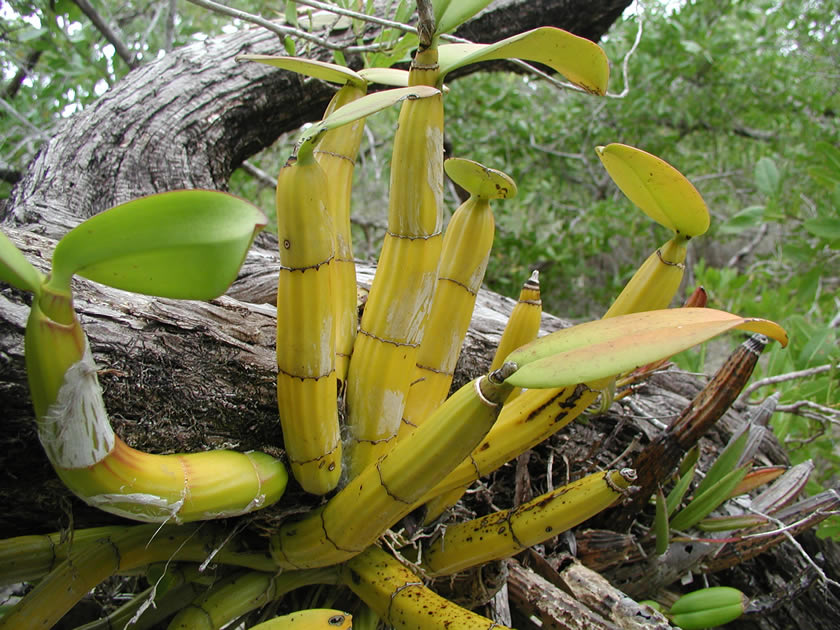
(385, 76)
(660, 524)
(595, 350)
(310, 67)
(453, 14)
(660, 190)
(579, 60)
(689, 460)
(479, 180)
(16, 270)
(703, 504)
(363, 107)
(725, 462)
(730, 523)
(183, 244)
(675, 496)
(439, 7)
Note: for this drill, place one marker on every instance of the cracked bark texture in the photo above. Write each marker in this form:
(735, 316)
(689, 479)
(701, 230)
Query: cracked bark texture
(187, 376)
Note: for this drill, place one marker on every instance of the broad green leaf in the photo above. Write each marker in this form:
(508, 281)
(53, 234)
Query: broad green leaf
(579, 60)
(15, 269)
(595, 350)
(767, 178)
(660, 190)
(827, 228)
(182, 244)
(365, 106)
(456, 13)
(310, 67)
(703, 504)
(749, 217)
(439, 7)
(660, 524)
(385, 76)
(479, 180)
(725, 462)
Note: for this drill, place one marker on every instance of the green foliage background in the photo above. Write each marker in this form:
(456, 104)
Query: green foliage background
(741, 96)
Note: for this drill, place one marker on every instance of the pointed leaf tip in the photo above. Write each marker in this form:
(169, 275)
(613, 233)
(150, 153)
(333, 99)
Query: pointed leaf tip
(309, 67)
(660, 190)
(186, 244)
(580, 60)
(595, 350)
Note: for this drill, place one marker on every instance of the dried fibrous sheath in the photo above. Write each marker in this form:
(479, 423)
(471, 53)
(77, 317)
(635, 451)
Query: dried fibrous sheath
(659, 459)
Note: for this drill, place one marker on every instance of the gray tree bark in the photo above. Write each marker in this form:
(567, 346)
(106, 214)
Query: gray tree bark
(187, 376)
(176, 380)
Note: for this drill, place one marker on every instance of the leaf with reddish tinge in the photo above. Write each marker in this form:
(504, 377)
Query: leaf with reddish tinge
(589, 352)
(757, 478)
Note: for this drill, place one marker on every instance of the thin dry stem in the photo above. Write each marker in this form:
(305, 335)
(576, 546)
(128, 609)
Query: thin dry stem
(788, 376)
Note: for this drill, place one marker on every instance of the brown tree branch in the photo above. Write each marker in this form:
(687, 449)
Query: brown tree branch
(11, 88)
(107, 32)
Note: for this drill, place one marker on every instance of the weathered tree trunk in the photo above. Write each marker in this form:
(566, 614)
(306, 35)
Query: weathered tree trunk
(186, 376)
(182, 376)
